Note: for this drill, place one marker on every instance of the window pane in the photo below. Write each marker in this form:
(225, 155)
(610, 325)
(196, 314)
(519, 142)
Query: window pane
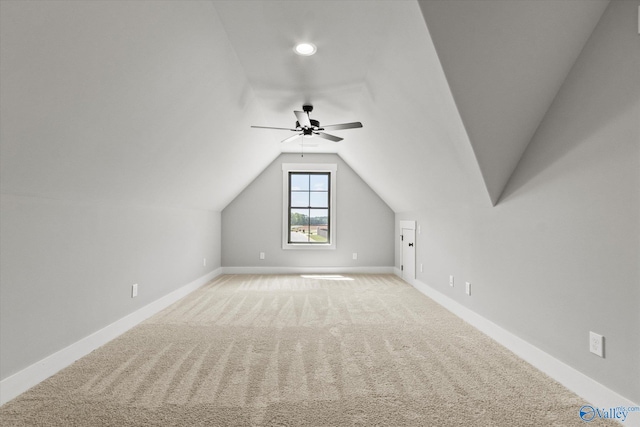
(319, 216)
(299, 182)
(319, 200)
(319, 229)
(299, 221)
(319, 182)
(299, 217)
(300, 199)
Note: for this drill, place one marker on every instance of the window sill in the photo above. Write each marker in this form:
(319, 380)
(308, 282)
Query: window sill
(302, 246)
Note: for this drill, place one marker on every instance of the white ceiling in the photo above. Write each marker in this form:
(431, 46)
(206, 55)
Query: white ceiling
(151, 102)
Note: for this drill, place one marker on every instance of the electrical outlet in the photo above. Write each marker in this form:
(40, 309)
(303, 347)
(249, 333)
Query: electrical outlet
(421, 270)
(419, 230)
(261, 255)
(204, 262)
(134, 290)
(355, 255)
(596, 344)
(468, 288)
(451, 280)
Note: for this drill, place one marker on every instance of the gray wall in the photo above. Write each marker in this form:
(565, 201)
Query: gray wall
(67, 267)
(252, 223)
(559, 255)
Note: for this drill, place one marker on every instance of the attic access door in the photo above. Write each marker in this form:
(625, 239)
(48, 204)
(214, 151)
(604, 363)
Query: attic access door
(408, 249)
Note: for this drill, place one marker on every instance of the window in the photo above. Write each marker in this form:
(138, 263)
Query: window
(309, 206)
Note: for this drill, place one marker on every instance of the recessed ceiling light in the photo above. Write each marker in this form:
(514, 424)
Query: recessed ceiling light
(305, 49)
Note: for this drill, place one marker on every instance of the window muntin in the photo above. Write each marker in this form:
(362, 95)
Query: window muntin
(309, 219)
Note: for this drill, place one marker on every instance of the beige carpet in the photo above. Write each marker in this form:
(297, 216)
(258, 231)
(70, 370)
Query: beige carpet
(294, 351)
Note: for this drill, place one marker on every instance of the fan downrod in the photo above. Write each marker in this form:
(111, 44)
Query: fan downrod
(307, 108)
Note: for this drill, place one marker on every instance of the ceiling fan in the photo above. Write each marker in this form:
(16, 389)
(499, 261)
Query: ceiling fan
(306, 126)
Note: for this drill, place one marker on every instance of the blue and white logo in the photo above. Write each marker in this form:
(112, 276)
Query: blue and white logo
(587, 413)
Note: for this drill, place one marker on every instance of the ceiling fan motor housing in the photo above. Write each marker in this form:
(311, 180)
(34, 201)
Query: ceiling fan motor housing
(315, 125)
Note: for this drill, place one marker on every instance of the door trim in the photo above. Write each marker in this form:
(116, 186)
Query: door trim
(407, 226)
(411, 225)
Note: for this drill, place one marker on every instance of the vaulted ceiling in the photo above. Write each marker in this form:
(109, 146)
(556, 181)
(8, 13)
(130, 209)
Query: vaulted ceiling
(151, 102)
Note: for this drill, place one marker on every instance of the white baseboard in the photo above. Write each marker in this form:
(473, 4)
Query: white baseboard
(21, 381)
(592, 391)
(308, 270)
(585, 387)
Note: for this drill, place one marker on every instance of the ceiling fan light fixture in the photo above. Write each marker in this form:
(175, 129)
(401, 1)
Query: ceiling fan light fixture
(306, 127)
(305, 49)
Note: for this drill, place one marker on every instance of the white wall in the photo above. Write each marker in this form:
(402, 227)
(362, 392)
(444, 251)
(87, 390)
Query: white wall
(67, 268)
(252, 223)
(559, 255)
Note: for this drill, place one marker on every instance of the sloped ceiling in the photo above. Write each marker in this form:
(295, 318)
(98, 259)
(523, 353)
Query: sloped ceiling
(505, 61)
(140, 102)
(151, 102)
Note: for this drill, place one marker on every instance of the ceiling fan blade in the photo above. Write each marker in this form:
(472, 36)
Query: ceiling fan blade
(303, 119)
(291, 138)
(343, 126)
(268, 127)
(327, 136)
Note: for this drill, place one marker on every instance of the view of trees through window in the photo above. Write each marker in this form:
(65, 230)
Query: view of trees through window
(309, 207)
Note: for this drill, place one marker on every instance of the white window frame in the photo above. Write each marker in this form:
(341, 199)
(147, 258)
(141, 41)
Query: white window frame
(331, 168)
